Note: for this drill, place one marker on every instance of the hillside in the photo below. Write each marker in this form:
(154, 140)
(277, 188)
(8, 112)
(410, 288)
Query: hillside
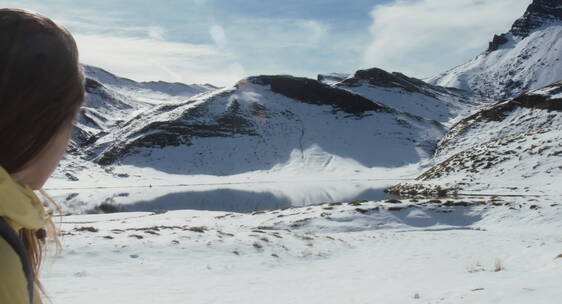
(513, 146)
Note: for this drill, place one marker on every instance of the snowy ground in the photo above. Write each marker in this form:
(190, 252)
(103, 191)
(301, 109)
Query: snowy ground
(463, 250)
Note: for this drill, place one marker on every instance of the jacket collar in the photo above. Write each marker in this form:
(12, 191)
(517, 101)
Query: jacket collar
(19, 205)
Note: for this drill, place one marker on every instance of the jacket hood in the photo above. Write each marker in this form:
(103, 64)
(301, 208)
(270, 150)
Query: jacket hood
(19, 204)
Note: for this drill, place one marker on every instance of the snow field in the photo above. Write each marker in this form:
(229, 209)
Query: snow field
(360, 252)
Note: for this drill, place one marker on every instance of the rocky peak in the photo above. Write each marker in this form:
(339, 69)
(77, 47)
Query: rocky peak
(539, 13)
(382, 78)
(496, 42)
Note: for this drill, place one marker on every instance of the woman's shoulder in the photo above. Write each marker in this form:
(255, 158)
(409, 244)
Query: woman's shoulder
(13, 283)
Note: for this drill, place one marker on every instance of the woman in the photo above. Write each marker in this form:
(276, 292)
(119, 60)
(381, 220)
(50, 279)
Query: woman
(41, 91)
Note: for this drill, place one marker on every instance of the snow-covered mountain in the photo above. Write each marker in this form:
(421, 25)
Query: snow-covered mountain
(167, 88)
(527, 57)
(269, 123)
(514, 143)
(112, 100)
(410, 95)
(265, 128)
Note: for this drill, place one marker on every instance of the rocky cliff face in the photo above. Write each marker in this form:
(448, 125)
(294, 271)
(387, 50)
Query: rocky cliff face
(539, 13)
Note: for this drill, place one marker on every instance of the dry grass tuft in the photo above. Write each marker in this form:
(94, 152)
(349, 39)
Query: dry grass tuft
(88, 228)
(498, 266)
(477, 267)
(197, 229)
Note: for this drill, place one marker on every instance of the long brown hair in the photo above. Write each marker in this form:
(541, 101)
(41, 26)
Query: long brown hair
(41, 90)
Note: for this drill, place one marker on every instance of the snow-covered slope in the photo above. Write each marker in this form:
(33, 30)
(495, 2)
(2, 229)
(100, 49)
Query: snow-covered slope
(527, 162)
(269, 123)
(527, 57)
(332, 78)
(511, 146)
(410, 95)
(533, 110)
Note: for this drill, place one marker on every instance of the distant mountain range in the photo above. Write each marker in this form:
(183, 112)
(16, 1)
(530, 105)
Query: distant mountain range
(506, 102)
(262, 123)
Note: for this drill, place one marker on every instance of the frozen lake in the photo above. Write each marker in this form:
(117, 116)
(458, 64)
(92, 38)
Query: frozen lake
(234, 197)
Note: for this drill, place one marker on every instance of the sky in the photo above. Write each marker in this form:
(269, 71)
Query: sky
(223, 41)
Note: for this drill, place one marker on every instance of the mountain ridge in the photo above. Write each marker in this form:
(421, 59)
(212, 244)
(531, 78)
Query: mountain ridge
(269, 120)
(527, 57)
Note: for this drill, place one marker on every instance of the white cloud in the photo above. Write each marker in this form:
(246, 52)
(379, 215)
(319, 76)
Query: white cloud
(145, 59)
(155, 32)
(218, 35)
(314, 31)
(140, 52)
(423, 37)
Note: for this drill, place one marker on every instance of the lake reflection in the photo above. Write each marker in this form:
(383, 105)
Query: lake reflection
(243, 197)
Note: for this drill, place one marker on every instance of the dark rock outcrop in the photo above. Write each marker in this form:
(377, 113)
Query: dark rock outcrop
(382, 78)
(314, 92)
(541, 101)
(496, 42)
(527, 100)
(91, 85)
(538, 14)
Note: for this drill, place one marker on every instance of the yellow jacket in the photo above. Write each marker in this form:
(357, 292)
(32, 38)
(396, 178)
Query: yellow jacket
(21, 208)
